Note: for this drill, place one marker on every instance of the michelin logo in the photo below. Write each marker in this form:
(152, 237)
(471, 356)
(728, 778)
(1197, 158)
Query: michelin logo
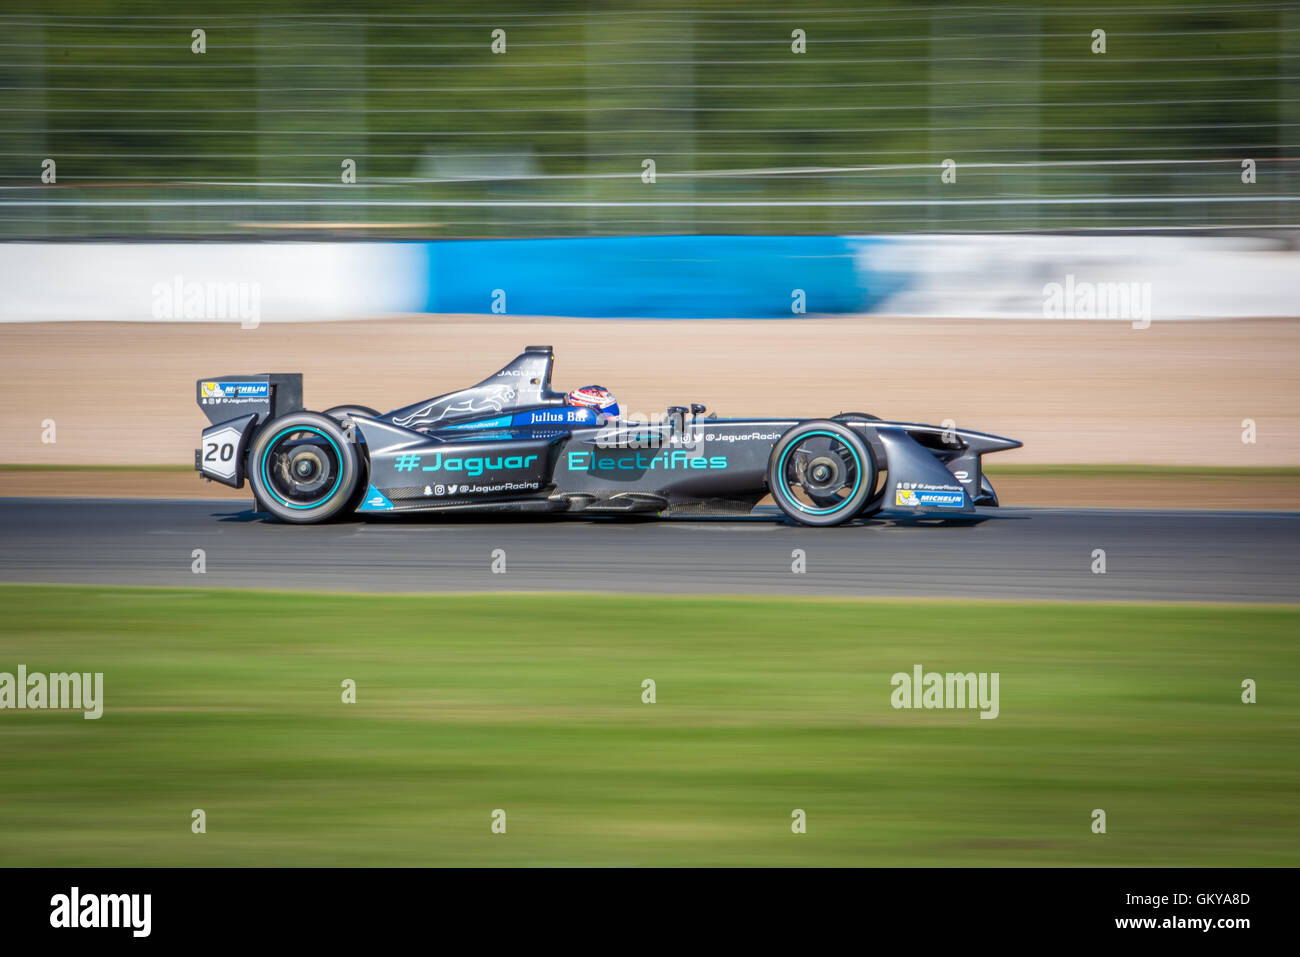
(920, 495)
(237, 390)
(234, 390)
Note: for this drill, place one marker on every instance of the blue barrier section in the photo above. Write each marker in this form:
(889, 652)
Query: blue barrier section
(662, 277)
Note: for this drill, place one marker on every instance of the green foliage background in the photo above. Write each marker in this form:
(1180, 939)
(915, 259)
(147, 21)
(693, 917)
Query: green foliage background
(585, 91)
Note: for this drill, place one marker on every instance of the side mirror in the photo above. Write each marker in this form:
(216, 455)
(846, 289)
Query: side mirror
(676, 419)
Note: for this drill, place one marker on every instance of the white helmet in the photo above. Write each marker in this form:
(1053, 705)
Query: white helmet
(595, 397)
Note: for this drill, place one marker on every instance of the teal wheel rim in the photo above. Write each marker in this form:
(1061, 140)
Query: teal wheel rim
(784, 477)
(281, 488)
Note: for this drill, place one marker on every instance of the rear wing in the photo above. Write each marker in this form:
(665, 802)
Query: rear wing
(268, 395)
(237, 406)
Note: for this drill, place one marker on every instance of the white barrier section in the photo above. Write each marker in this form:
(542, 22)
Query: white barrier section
(209, 282)
(1088, 277)
(1136, 278)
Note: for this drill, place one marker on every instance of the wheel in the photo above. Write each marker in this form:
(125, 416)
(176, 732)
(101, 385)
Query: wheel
(875, 502)
(303, 468)
(821, 473)
(342, 413)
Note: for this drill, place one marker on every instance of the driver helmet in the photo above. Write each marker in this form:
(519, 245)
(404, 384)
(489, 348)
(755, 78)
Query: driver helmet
(595, 397)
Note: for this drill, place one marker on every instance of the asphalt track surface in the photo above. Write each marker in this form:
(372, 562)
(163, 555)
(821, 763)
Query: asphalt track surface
(1000, 553)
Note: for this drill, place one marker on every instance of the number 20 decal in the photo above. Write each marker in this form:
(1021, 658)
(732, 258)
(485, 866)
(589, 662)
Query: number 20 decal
(221, 453)
(225, 450)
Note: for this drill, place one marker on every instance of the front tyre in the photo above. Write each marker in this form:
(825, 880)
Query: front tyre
(821, 473)
(303, 468)
(845, 416)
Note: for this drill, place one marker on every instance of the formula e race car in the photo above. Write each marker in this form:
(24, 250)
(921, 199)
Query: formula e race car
(510, 444)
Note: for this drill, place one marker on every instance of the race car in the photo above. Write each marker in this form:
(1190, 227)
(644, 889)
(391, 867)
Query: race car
(511, 444)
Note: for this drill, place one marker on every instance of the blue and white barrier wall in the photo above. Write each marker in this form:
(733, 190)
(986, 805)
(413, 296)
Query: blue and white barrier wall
(662, 277)
(648, 277)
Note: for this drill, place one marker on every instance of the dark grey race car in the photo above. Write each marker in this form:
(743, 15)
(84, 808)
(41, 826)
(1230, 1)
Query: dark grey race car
(510, 444)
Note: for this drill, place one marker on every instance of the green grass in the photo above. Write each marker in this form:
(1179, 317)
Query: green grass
(230, 701)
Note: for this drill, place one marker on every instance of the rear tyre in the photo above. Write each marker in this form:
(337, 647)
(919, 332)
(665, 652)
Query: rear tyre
(821, 473)
(340, 412)
(344, 413)
(303, 468)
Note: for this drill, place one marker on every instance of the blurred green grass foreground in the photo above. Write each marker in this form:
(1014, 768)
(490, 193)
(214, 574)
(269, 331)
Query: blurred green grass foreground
(231, 702)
